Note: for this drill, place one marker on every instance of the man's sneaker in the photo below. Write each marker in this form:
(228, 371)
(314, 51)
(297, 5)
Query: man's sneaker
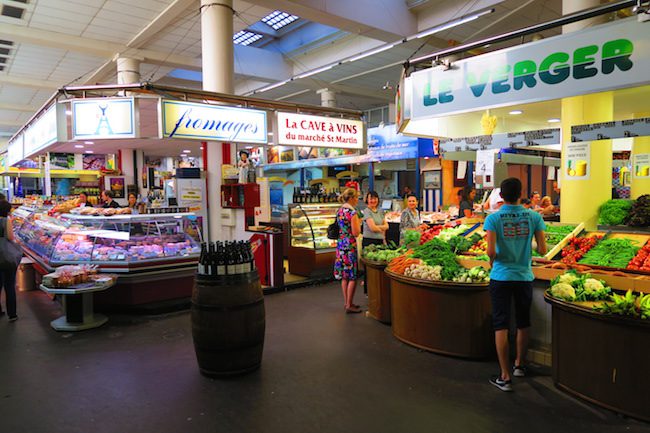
(519, 371)
(503, 385)
(13, 319)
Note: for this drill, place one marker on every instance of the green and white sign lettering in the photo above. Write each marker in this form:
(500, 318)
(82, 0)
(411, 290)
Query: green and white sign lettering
(600, 58)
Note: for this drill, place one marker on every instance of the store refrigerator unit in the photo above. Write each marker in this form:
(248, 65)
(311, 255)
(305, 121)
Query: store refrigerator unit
(188, 188)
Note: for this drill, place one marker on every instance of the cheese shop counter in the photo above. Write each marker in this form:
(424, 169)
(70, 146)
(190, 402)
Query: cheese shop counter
(155, 255)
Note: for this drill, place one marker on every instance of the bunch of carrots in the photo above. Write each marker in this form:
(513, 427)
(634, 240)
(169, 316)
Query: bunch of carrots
(399, 264)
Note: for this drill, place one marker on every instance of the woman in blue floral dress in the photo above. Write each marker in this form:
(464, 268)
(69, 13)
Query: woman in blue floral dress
(345, 266)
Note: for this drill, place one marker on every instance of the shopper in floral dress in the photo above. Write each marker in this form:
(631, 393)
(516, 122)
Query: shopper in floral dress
(345, 266)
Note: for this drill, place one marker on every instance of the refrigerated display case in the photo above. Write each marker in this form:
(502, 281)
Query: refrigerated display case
(154, 254)
(310, 251)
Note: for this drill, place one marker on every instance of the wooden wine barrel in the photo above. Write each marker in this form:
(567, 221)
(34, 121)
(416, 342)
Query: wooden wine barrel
(228, 323)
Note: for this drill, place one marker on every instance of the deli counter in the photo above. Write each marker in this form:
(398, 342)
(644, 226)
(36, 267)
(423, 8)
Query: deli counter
(155, 255)
(311, 253)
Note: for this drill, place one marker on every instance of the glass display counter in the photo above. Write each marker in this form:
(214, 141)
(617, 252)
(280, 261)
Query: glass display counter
(310, 251)
(155, 255)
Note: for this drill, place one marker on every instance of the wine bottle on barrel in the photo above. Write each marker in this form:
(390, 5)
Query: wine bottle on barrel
(201, 269)
(220, 260)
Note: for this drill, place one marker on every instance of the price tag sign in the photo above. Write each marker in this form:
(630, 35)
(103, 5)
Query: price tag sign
(484, 162)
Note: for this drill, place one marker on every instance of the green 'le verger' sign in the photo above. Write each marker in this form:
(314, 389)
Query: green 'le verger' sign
(601, 58)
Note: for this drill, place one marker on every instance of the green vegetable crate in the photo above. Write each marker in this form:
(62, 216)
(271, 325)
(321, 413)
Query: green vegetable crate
(554, 250)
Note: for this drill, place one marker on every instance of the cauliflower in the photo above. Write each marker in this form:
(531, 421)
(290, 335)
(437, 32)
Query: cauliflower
(592, 285)
(568, 278)
(563, 291)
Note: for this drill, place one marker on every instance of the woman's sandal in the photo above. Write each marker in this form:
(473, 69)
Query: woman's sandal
(353, 310)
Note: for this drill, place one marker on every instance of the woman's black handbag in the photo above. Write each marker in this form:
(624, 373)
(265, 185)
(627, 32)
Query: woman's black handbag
(10, 255)
(333, 230)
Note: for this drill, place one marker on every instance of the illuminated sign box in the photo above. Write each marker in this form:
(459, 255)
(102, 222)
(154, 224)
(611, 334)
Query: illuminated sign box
(194, 121)
(103, 118)
(319, 131)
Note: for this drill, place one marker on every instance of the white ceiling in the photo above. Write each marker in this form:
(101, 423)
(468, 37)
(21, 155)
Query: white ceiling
(61, 42)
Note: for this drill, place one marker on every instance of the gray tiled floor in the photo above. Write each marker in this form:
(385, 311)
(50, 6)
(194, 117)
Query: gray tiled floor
(323, 371)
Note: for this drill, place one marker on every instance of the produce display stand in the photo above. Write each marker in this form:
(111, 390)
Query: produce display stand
(563, 243)
(442, 317)
(601, 358)
(78, 306)
(378, 286)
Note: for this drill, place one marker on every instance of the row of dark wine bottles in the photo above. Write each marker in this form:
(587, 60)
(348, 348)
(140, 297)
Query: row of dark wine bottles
(317, 196)
(226, 258)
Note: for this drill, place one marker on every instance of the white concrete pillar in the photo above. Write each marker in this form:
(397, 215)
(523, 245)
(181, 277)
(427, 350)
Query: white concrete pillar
(217, 62)
(327, 97)
(128, 70)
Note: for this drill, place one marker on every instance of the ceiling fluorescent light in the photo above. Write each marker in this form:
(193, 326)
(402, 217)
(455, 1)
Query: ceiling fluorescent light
(272, 86)
(450, 24)
(314, 72)
(370, 53)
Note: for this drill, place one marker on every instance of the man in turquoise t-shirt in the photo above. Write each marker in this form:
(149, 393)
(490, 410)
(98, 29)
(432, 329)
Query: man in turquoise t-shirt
(509, 235)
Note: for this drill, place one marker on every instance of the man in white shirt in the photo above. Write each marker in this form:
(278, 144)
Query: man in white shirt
(494, 202)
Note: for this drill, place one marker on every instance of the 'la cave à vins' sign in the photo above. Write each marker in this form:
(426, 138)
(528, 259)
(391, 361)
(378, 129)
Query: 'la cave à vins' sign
(318, 131)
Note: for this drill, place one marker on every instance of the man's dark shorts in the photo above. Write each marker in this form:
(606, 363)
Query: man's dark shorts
(501, 294)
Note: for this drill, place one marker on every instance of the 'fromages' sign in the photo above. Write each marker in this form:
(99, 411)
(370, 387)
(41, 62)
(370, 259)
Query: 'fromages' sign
(212, 122)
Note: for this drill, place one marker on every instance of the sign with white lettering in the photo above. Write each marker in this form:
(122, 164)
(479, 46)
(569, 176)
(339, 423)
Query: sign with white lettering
(103, 118)
(603, 57)
(540, 137)
(641, 165)
(41, 132)
(610, 130)
(194, 121)
(577, 161)
(319, 131)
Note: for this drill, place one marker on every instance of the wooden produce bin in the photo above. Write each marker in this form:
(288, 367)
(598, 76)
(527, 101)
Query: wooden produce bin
(602, 358)
(442, 317)
(378, 286)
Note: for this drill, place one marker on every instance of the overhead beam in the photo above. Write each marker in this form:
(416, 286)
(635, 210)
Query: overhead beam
(19, 107)
(165, 18)
(101, 73)
(388, 22)
(29, 82)
(93, 47)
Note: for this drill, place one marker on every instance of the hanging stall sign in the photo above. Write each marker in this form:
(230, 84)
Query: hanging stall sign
(485, 162)
(577, 161)
(15, 150)
(641, 165)
(604, 57)
(609, 130)
(189, 120)
(40, 133)
(103, 118)
(540, 137)
(319, 131)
